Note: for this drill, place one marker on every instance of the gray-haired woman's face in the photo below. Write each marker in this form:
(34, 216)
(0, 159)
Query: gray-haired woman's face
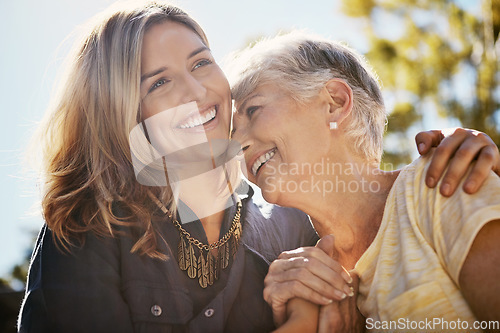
(282, 140)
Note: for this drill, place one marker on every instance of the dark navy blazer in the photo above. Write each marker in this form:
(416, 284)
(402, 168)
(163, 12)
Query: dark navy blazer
(102, 287)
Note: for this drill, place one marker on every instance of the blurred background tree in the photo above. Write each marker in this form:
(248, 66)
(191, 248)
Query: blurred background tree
(435, 58)
(11, 295)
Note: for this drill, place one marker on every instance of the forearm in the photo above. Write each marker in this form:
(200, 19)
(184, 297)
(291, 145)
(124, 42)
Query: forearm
(302, 317)
(480, 274)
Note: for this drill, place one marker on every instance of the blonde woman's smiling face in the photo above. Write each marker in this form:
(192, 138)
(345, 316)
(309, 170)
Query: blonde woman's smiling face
(178, 69)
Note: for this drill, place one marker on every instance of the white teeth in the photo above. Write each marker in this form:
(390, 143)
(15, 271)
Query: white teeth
(261, 160)
(198, 119)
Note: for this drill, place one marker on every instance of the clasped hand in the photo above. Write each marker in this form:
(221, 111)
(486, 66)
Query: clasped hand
(313, 274)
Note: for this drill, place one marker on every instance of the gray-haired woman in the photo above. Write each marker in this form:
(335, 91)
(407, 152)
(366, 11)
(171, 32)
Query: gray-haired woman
(313, 108)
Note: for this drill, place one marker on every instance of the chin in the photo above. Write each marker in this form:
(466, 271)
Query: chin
(272, 198)
(269, 186)
(218, 133)
(271, 194)
(276, 195)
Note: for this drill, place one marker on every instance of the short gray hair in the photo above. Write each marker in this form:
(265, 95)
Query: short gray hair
(301, 64)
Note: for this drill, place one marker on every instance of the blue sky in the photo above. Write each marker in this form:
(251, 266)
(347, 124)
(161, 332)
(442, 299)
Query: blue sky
(32, 50)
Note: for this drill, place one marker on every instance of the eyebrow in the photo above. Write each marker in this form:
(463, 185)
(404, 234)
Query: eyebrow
(198, 50)
(242, 107)
(162, 69)
(153, 73)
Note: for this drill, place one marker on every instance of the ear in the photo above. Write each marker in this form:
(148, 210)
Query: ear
(340, 98)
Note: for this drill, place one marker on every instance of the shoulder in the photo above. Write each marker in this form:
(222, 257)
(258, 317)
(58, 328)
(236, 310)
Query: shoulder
(53, 263)
(267, 215)
(412, 176)
(412, 181)
(448, 224)
(87, 275)
(272, 229)
(431, 211)
(261, 215)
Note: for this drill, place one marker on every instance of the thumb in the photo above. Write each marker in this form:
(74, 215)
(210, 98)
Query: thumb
(279, 314)
(327, 244)
(428, 139)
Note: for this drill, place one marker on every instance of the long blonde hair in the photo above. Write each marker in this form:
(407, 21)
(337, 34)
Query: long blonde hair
(85, 147)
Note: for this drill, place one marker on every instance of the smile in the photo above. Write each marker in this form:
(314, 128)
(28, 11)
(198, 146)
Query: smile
(198, 119)
(263, 159)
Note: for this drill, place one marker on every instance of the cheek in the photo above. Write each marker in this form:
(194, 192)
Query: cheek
(267, 124)
(218, 83)
(153, 105)
(147, 110)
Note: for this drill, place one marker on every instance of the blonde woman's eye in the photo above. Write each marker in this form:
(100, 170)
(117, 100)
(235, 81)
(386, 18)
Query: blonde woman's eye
(157, 84)
(202, 63)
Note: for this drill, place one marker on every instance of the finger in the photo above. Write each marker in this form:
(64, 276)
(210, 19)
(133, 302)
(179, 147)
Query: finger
(322, 266)
(428, 139)
(308, 256)
(321, 279)
(458, 167)
(481, 170)
(330, 285)
(330, 319)
(277, 300)
(309, 253)
(342, 316)
(279, 314)
(355, 280)
(327, 244)
(496, 166)
(473, 144)
(352, 318)
(278, 294)
(442, 156)
(491, 152)
(299, 252)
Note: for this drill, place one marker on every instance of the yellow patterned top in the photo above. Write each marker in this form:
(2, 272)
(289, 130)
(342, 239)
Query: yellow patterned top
(410, 272)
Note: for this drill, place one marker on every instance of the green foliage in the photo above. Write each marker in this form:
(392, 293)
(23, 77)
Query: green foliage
(403, 115)
(358, 8)
(18, 274)
(391, 160)
(441, 54)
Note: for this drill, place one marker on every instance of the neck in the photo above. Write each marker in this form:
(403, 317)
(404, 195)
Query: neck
(212, 225)
(207, 195)
(352, 211)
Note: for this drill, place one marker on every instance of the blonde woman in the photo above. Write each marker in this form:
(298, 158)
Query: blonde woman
(116, 253)
(149, 226)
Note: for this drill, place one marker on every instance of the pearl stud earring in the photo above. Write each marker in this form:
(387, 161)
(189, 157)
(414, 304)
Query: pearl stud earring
(333, 125)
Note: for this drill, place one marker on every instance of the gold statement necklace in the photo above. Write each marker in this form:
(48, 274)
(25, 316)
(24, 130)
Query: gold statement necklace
(207, 266)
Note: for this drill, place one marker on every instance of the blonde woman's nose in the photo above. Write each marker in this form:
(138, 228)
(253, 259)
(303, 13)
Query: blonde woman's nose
(193, 89)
